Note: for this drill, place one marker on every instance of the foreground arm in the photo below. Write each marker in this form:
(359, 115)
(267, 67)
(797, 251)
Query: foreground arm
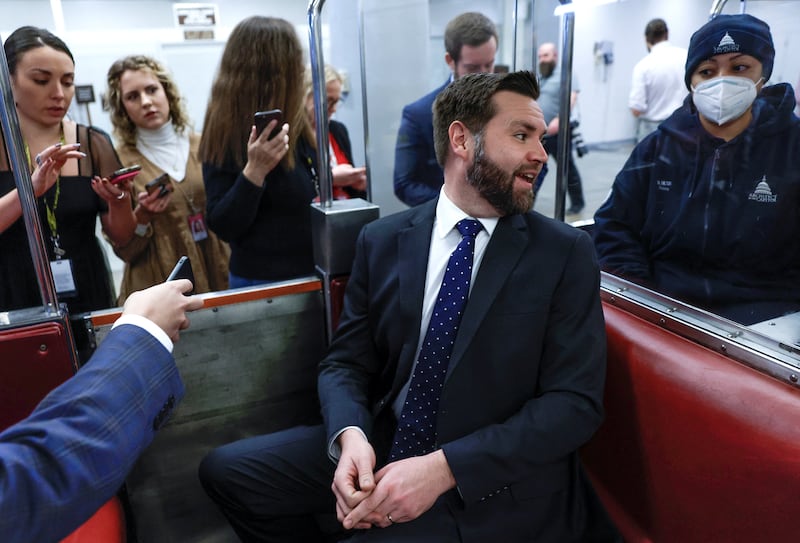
(71, 455)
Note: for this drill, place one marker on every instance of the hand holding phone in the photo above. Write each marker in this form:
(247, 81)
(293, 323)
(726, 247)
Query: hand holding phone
(124, 174)
(183, 270)
(262, 118)
(162, 184)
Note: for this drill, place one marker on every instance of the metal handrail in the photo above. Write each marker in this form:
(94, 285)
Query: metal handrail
(364, 116)
(565, 108)
(27, 198)
(320, 101)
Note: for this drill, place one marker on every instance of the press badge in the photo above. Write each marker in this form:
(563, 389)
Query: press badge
(63, 278)
(197, 224)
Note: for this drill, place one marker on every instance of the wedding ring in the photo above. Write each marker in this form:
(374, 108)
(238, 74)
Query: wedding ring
(121, 195)
(390, 518)
(38, 160)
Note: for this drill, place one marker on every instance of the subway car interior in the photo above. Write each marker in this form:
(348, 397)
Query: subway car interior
(700, 440)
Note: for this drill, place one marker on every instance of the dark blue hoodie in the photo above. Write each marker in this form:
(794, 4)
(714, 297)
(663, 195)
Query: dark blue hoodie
(711, 222)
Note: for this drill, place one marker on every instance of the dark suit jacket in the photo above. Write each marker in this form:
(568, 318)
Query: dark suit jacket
(417, 175)
(525, 382)
(72, 454)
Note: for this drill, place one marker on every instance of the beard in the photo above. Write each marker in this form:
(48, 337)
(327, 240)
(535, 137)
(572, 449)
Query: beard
(546, 69)
(496, 185)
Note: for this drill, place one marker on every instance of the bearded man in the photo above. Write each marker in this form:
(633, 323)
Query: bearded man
(452, 413)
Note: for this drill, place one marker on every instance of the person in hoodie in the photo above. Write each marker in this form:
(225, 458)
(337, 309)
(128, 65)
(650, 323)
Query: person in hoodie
(707, 207)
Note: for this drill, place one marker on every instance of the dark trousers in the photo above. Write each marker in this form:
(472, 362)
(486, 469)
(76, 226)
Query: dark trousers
(277, 488)
(574, 186)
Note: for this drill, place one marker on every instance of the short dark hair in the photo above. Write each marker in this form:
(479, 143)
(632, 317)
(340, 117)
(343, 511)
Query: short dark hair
(470, 28)
(656, 31)
(469, 100)
(26, 38)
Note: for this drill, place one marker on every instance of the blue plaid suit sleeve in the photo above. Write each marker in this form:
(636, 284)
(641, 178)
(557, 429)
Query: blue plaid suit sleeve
(72, 454)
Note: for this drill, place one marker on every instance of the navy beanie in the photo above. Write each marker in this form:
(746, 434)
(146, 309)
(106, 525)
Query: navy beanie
(731, 34)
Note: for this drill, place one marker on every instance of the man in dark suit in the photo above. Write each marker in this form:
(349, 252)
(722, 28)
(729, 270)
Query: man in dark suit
(72, 454)
(523, 389)
(471, 44)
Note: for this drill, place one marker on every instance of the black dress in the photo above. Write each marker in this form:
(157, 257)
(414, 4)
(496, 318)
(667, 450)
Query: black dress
(76, 216)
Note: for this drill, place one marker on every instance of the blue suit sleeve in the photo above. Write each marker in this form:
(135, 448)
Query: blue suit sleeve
(72, 454)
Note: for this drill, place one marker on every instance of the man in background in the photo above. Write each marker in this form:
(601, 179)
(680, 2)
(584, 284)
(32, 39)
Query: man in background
(550, 102)
(657, 85)
(470, 42)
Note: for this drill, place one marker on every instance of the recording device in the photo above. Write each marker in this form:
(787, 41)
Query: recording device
(161, 183)
(577, 139)
(124, 174)
(262, 118)
(183, 270)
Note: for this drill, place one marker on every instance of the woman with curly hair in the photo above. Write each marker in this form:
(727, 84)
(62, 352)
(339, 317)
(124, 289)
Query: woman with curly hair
(153, 130)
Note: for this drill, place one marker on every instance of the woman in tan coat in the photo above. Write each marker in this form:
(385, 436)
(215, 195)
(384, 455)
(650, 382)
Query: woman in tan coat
(152, 129)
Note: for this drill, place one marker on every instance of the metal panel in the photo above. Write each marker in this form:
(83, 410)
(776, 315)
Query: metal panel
(249, 368)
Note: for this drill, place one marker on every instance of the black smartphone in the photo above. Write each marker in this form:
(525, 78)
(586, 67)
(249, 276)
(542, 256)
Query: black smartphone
(183, 270)
(262, 118)
(123, 174)
(161, 183)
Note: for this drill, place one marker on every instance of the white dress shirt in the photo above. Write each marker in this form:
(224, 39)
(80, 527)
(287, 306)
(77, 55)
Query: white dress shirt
(657, 87)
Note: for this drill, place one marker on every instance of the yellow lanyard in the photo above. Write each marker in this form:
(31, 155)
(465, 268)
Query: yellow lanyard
(51, 212)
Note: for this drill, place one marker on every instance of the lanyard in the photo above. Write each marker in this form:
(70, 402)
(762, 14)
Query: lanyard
(51, 211)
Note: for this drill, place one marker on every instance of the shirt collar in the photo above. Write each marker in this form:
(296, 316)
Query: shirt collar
(448, 214)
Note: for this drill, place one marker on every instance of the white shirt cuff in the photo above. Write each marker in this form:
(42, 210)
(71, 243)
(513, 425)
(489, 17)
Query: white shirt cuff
(149, 326)
(334, 450)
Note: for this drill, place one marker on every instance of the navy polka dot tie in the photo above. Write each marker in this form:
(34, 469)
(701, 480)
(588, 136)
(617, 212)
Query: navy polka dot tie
(416, 429)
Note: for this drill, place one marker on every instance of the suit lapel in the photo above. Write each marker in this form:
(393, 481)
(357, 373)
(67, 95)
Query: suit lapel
(502, 254)
(413, 247)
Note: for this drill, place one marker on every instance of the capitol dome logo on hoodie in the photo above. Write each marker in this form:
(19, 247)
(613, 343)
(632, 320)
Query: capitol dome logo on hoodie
(763, 193)
(726, 45)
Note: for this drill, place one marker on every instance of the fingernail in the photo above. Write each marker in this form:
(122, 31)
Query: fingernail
(82, 153)
(58, 145)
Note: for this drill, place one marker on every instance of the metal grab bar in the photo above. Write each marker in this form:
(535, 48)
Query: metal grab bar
(320, 102)
(27, 198)
(565, 107)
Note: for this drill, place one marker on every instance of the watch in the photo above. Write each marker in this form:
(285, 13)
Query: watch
(143, 229)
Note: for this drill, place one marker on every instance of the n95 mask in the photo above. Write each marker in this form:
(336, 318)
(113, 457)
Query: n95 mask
(724, 98)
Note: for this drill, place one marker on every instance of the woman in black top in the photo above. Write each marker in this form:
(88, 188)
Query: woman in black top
(259, 189)
(71, 196)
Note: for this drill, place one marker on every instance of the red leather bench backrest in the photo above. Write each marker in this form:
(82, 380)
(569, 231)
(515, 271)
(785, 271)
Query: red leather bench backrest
(695, 446)
(35, 359)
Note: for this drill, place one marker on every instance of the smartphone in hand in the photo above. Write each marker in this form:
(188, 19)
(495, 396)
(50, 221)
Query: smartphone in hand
(162, 184)
(262, 118)
(183, 270)
(123, 174)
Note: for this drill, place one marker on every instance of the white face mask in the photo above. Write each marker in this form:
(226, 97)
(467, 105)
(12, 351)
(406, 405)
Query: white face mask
(724, 98)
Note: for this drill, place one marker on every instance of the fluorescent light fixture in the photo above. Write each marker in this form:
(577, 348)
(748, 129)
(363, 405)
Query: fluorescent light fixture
(578, 4)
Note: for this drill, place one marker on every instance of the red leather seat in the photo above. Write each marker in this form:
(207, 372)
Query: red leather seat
(695, 447)
(36, 359)
(107, 525)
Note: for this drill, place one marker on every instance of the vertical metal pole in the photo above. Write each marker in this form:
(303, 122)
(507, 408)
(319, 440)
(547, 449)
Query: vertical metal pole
(564, 140)
(27, 198)
(320, 102)
(365, 112)
(514, 50)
